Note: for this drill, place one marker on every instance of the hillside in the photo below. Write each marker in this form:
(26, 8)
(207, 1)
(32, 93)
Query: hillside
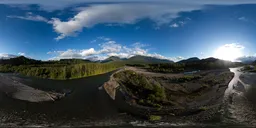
(189, 60)
(204, 64)
(111, 59)
(168, 96)
(146, 60)
(21, 60)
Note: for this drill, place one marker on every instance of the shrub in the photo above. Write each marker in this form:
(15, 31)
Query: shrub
(154, 118)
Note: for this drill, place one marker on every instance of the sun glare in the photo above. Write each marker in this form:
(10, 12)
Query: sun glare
(229, 52)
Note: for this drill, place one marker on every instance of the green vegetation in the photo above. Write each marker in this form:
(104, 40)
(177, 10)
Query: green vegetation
(205, 64)
(61, 71)
(203, 108)
(154, 118)
(149, 91)
(171, 68)
(186, 78)
(249, 68)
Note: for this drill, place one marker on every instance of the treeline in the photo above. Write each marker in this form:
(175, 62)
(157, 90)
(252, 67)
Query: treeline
(167, 68)
(21, 60)
(205, 64)
(61, 71)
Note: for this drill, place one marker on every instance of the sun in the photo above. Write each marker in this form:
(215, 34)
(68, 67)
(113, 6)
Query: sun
(229, 52)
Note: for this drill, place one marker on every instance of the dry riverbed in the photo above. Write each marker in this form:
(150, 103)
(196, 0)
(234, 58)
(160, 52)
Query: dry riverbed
(194, 97)
(11, 86)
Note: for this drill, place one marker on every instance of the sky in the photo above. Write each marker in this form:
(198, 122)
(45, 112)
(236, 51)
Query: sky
(97, 29)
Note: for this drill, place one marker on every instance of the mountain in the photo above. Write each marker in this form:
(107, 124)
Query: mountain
(138, 59)
(146, 59)
(189, 60)
(112, 58)
(211, 63)
(21, 60)
(73, 61)
(247, 59)
(254, 62)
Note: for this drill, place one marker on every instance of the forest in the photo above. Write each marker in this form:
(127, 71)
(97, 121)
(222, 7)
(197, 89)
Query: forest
(60, 72)
(77, 68)
(204, 64)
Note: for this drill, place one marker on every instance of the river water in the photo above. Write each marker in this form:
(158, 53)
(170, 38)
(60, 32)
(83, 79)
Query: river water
(88, 105)
(238, 106)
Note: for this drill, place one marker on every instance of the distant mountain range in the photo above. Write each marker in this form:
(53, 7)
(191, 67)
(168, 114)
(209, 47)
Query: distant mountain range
(247, 59)
(189, 60)
(112, 58)
(137, 60)
(20, 60)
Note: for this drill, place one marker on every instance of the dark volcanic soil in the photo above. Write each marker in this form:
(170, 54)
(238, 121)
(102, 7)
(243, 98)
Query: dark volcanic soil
(199, 100)
(87, 104)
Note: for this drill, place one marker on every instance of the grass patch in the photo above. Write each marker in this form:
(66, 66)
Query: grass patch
(154, 118)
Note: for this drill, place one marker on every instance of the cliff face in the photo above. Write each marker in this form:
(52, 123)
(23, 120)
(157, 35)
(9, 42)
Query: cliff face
(111, 87)
(171, 94)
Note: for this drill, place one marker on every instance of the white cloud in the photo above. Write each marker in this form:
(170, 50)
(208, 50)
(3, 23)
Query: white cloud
(107, 49)
(6, 56)
(93, 41)
(104, 38)
(110, 47)
(121, 12)
(21, 54)
(88, 52)
(55, 4)
(118, 14)
(175, 25)
(243, 19)
(30, 16)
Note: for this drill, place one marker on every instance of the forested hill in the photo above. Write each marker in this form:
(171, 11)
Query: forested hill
(21, 60)
(204, 64)
(77, 68)
(189, 60)
(61, 70)
(138, 59)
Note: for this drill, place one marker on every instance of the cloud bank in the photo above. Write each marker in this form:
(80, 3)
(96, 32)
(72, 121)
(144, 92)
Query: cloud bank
(6, 56)
(116, 12)
(107, 49)
(30, 16)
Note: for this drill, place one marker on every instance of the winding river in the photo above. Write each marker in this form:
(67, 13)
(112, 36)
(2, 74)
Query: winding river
(89, 105)
(239, 106)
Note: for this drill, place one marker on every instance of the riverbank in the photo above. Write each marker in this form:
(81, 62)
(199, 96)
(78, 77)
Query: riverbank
(13, 88)
(195, 97)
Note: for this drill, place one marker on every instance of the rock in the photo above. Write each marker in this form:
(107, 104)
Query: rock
(17, 90)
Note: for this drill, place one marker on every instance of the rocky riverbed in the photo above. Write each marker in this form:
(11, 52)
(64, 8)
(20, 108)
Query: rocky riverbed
(195, 97)
(17, 90)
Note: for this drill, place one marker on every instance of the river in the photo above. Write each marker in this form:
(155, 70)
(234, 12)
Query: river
(88, 105)
(238, 106)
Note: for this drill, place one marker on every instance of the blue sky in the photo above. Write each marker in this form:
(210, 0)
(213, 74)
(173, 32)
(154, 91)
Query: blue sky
(174, 30)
